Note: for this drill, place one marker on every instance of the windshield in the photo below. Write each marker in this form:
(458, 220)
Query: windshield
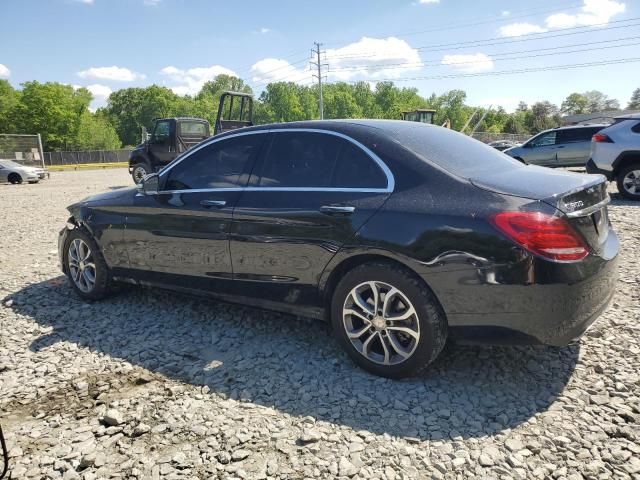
(455, 152)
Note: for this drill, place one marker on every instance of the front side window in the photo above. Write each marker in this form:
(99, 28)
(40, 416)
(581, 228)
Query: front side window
(544, 140)
(161, 133)
(318, 160)
(217, 165)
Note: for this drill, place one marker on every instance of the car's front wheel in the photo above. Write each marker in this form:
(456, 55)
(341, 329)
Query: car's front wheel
(15, 178)
(628, 181)
(387, 320)
(86, 269)
(139, 171)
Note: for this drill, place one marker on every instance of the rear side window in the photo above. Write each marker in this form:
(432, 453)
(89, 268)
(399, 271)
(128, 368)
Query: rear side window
(572, 135)
(218, 165)
(318, 160)
(355, 169)
(193, 128)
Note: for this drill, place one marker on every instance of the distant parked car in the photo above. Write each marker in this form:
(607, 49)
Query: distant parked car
(503, 144)
(13, 172)
(558, 147)
(615, 153)
(401, 234)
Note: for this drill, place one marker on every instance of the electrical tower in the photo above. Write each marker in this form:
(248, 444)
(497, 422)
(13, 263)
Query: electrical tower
(318, 64)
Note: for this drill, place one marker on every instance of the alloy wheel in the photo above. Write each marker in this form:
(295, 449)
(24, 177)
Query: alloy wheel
(631, 182)
(381, 323)
(139, 173)
(81, 265)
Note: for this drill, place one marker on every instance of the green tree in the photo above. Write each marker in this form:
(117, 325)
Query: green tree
(542, 116)
(53, 110)
(9, 100)
(96, 133)
(574, 104)
(598, 102)
(634, 102)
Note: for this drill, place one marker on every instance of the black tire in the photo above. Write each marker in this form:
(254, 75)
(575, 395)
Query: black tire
(624, 171)
(430, 317)
(139, 170)
(103, 284)
(14, 178)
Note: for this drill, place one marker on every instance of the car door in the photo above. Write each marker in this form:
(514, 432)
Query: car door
(310, 194)
(180, 237)
(541, 150)
(162, 142)
(574, 146)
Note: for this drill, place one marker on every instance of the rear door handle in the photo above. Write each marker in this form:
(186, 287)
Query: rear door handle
(213, 203)
(337, 210)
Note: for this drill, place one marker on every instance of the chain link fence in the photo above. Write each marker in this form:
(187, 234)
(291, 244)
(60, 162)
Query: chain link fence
(87, 156)
(23, 149)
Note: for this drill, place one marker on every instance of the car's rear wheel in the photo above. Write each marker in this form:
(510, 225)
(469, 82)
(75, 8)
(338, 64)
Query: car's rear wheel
(628, 181)
(387, 320)
(86, 269)
(139, 171)
(15, 178)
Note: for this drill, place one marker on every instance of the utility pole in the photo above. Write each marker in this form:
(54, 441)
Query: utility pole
(318, 64)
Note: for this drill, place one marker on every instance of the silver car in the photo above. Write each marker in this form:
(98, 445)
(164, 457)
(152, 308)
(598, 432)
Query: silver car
(558, 147)
(13, 172)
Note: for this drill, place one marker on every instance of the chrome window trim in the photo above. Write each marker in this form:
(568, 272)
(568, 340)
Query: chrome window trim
(385, 169)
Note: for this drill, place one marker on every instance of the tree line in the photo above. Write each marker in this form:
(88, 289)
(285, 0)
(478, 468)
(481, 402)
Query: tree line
(60, 113)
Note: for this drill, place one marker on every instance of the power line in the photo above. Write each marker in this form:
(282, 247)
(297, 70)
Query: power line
(492, 56)
(491, 19)
(503, 41)
(507, 72)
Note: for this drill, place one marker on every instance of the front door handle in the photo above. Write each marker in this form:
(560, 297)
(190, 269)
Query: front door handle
(213, 203)
(337, 210)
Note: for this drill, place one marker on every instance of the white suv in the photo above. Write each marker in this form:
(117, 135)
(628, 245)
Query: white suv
(615, 153)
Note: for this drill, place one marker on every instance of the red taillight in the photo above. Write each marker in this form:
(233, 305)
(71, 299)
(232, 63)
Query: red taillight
(542, 234)
(601, 137)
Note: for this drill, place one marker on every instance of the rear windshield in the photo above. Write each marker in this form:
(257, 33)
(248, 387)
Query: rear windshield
(193, 128)
(455, 152)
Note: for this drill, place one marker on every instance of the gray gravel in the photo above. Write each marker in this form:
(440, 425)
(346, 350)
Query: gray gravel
(155, 385)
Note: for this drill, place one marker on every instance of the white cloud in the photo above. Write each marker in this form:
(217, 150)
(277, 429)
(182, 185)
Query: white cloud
(517, 29)
(263, 30)
(593, 12)
(99, 91)
(119, 74)
(469, 63)
(86, 2)
(424, 2)
(505, 13)
(190, 81)
(4, 71)
(151, 3)
(373, 57)
(369, 58)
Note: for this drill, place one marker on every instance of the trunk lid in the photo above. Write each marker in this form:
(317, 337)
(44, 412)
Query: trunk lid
(581, 198)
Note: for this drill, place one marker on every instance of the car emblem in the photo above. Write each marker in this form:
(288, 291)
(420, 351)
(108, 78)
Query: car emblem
(573, 206)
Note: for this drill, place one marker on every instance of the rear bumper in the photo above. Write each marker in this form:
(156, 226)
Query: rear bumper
(593, 168)
(532, 302)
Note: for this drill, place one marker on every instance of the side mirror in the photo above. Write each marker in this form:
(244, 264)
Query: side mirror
(150, 184)
(527, 145)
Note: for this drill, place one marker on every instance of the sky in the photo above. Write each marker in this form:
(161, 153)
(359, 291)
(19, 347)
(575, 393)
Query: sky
(479, 46)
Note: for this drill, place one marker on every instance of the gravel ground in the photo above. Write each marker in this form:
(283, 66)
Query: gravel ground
(150, 384)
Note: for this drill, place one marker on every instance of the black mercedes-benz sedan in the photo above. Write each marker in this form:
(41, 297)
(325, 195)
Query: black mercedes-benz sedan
(400, 234)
